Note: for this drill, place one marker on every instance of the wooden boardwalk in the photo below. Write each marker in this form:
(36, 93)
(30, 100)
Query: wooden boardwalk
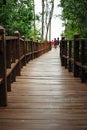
(45, 97)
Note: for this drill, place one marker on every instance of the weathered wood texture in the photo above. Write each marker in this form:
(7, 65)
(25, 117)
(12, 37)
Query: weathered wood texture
(74, 56)
(16, 52)
(45, 97)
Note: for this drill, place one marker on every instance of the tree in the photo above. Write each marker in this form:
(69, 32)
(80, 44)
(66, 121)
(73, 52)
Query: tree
(34, 20)
(74, 15)
(50, 18)
(47, 13)
(42, 19)
(17, 15)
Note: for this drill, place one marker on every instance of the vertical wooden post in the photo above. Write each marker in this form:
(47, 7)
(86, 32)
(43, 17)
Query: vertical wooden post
(62, 46)
(76, 54)
(70, 53)
(27, 51)
(32, 49)
(14, 51)
(16, 33)
(3, 84)
(8, 54)
(83, 75)
(65, 53)
(24, 50)
(37, 48)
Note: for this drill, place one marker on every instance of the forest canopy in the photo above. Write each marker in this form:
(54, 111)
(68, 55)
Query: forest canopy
(74, 15)
(20, 15)
(17, 15)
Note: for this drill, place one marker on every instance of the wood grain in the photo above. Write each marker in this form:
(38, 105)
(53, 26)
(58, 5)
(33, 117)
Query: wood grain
(45, 97)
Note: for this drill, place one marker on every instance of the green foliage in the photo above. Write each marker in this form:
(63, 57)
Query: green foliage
(17, 15)
(74, 15)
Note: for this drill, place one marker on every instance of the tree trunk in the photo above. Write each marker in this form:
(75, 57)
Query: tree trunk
(42, 19)
(34, 21)
(50, 18)
(50, 32)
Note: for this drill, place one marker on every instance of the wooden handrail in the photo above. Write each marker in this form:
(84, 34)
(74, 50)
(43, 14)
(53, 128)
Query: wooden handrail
(73, 55)
(15, 52)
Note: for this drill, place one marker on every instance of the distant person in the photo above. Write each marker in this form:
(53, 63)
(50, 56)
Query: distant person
(52, 43)
(55, 43)
(58, 41)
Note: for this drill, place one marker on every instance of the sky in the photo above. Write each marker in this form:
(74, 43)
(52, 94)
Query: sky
(56, 24)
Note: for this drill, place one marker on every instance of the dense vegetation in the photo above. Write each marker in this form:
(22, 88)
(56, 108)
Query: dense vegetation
(17, 15)
(74, 15)
(20, 15)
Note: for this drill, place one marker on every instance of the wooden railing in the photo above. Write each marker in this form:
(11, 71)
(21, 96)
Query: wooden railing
(15, 52)
(73, 55)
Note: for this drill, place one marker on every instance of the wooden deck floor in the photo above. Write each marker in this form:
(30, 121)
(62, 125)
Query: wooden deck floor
(45, 97)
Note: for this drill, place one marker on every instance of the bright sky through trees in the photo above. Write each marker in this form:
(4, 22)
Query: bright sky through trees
(56, 26)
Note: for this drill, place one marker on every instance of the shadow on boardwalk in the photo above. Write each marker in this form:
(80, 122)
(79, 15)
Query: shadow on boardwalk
(45, 97)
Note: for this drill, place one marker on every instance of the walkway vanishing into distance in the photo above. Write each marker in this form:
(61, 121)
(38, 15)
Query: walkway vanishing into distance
(45, 97)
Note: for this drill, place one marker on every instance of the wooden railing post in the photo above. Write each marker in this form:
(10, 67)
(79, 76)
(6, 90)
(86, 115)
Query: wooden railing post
(37, 49)
(62, 47)
(32, 48)
(83, 60)
(16, 33)
(76, 54)
(24, 51)
(73, 54)
(8, 54)
(28, 51)
(65, 53)
(3, 84)
(70, 54)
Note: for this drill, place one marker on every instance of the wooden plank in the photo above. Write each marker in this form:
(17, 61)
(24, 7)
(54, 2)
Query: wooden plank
(3, 86)
(9, 70)
(0, 37)
(1, 80)
(43, 125)
(11, 37)
(45, 97)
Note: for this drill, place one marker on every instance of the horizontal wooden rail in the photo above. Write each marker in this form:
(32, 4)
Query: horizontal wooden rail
(15, 52)
(73, 55)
